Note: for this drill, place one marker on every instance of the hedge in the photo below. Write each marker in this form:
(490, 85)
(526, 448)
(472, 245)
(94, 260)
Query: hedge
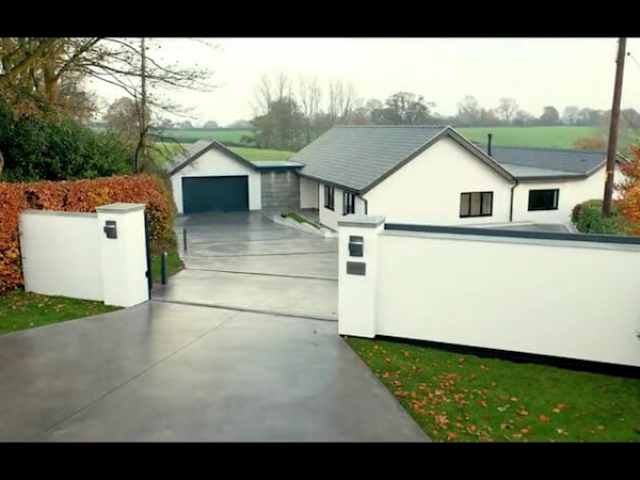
(79, 196)
(587, 217)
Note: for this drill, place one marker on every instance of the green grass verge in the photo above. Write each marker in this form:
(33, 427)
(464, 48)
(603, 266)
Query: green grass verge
(456, 397)
(299, 218)
(174, 264)
(20, 310)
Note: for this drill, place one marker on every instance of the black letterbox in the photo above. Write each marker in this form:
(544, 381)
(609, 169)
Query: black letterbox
(110, 229)
(356, 246)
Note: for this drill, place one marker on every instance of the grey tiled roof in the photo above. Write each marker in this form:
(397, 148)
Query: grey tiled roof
(189, 152)
(574, 161)
(523, 172)
(355, 157)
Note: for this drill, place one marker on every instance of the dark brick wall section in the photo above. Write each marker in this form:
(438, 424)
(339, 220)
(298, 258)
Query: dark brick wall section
(280, 191)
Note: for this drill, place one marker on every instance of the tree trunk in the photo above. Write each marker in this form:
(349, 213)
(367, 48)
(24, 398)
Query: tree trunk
(1, 164)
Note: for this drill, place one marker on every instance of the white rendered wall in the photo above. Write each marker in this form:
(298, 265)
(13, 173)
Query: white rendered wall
(427, 189)
(542, 297)
(330, 218)
(68, 254)
(215, 163)
(308, 193)
(61, 254)
(572, 192)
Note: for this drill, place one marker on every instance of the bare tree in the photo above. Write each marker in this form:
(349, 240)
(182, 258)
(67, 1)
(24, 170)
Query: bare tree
(283, 87)
(469, 111)
(262, 96)
(335, 100)
(341, 101)
(571, 114)
(507, 109)
(310, 95)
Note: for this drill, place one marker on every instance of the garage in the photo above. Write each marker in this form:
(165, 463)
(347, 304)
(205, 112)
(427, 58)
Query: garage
(215, 194)
(208, 177)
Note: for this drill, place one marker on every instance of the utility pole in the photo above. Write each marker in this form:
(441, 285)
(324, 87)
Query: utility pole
(613, 128)
(143, 101)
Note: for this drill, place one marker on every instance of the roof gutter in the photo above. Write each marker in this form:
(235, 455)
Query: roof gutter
(328, 183)
(511, 205)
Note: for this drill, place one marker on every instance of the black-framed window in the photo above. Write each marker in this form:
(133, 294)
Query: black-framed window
(476, 204)
(544, 199)
(348, 203)
(328, 197)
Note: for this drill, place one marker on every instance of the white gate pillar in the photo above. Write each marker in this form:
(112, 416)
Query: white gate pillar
(123, 254)
(358, 274)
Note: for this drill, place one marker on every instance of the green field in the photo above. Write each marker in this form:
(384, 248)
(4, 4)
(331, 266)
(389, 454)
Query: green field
(549, 137)
(191, 135)
(259, 155)
(164, 152)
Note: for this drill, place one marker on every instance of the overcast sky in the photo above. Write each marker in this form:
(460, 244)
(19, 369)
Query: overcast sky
(534, 71)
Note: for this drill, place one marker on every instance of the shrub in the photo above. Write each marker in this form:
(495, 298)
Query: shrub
(80, 196)
(590, 143)
(37, 149)
(587, 217)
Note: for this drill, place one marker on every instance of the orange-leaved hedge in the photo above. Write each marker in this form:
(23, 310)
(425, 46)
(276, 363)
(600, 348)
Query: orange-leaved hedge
(78, 196)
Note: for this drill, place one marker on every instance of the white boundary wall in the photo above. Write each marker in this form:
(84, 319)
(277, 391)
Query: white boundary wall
(69, 254)
(563, 298)
(61, 253)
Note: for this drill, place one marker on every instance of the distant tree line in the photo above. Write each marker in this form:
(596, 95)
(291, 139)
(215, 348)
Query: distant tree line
(290, 115)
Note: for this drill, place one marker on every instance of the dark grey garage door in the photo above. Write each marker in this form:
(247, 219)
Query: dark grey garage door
(215, 194)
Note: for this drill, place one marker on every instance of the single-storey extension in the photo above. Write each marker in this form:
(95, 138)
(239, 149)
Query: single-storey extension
(420, 175)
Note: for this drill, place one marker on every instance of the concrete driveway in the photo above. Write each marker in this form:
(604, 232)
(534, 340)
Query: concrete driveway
(245, 261)
(169, 372)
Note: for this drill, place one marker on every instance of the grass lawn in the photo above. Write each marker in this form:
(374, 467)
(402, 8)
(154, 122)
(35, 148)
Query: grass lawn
(174, 264)
(465, 398)
(20, 310)
(550, 137)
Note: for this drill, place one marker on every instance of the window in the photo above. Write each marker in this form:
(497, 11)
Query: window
(348, 203)
(328, 197)
(476, 204)
(543, 199)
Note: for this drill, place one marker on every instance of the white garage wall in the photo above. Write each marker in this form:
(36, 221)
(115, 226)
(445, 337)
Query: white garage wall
(542, 297)
(215, 163)
(427, 189)
(572, 192)
(308, 193)
(61, 254)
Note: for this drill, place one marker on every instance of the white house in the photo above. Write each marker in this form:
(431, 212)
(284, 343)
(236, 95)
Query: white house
(433, 175)
(419, 175)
